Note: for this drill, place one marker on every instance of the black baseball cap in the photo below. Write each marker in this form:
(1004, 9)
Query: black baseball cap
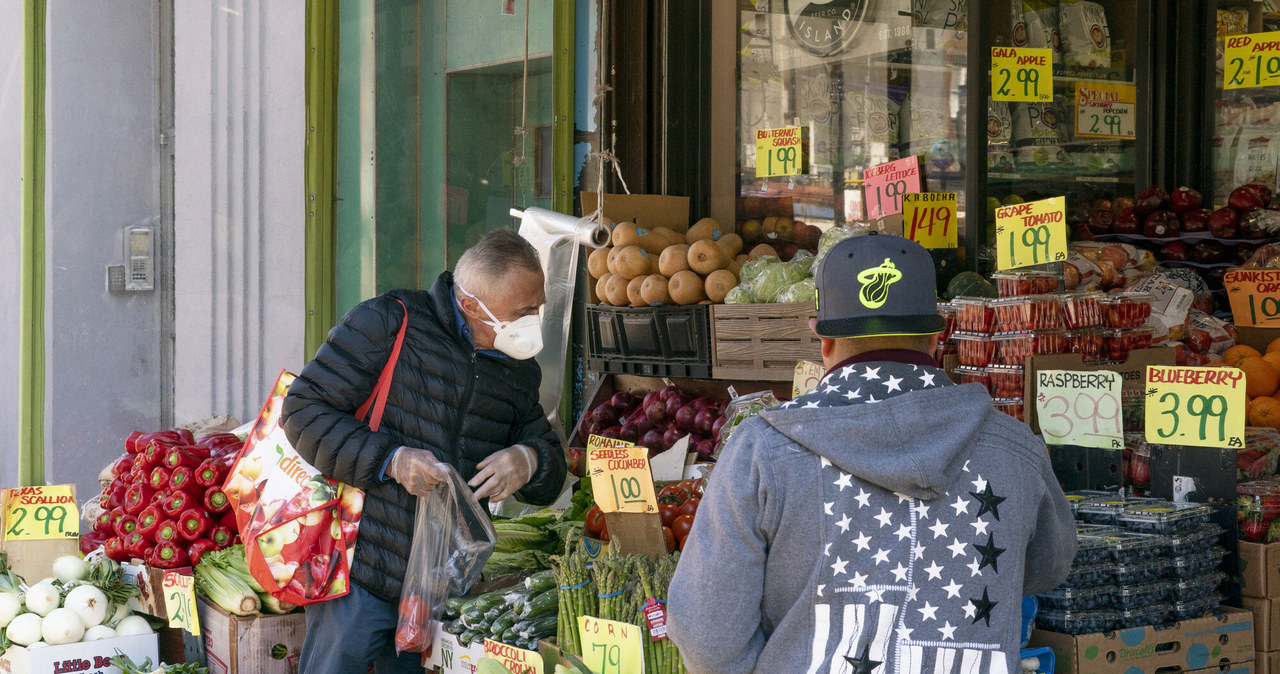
(877, 285)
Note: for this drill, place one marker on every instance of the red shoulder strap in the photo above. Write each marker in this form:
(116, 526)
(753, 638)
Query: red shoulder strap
(378, 399)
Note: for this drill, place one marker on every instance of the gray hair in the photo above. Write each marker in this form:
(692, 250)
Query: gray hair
(491, 258)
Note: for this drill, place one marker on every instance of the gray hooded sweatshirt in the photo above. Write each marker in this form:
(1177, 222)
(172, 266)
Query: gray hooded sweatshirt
(887, 522)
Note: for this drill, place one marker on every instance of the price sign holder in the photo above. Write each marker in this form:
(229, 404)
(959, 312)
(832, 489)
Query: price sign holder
(1031, 234)
(518, 660)
(41, 513)
(929, 219)
(1080, 408)
(1021, 74)
(782, 152)
(180, 599)
(884, 185)
(1255, 297)
(1251, 60)
(620, 476)
(1105, 110)
(1087, 467)
(1195, 406)
(610, 647)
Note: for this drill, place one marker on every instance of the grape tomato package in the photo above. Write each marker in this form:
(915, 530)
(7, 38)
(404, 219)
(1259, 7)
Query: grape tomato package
(1028, 312)
(1027, 282)
(974, 315)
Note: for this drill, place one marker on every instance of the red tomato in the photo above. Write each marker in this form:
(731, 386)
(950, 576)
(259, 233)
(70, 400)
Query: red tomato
(669, 512)
(690, 507)
(680, 494)
(575, 461)
(593, 523)
(604, 534)
(681, 528)
(670, 538)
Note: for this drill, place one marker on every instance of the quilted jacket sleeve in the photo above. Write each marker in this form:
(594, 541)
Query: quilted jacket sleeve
(319, 409)
(548, 480)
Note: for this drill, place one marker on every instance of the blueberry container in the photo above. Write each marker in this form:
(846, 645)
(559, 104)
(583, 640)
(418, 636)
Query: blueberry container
(1128, 547)
(1082, 496)
(1077, 622)
(1189, 566)
(1198, 608)
(1140, 572)
(1102, 511)
(1196, 587)
(1137, 596)
(1077, 598)
(1199, 540)
(1142, 616)
(1165, 518)
(1091, 549)
(1090, 575)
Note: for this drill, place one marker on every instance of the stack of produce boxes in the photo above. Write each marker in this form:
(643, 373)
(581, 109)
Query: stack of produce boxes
(1139, 562)
(1258, 504)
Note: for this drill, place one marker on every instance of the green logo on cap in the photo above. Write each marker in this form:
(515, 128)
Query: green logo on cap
(875, 284)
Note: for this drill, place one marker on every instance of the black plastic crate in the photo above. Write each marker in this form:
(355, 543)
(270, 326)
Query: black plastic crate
(666, 341)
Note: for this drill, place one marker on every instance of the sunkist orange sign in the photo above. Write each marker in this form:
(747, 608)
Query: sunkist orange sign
(1255, 296)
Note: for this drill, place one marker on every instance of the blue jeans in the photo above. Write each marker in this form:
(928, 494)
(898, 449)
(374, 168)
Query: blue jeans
(346, 635)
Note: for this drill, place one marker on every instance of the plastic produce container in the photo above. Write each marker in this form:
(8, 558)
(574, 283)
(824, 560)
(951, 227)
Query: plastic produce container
(1141, 616)
(1133, 404)
(1197, 587)
(1086, 342)
(974, 375)
(1166, 518)
(974, 350)
(1196, 541)
(1102, 511)
(1082, 310)
(1029, 312)
(1080, 497)
(1146, 571)
(1146, 594)
(974, 314)
(1025, 282)
(1091, 575)
(1189, 566)
(1015, 348)
(1011, 406)
(1005, 381)
(1197, 608)
(1076, 598)
(950, 312)
(1126, 310)
(1130, 548)
(1077, 622)
(1116, 344)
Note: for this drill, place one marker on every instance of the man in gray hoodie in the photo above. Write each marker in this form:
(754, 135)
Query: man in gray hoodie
(888, 521)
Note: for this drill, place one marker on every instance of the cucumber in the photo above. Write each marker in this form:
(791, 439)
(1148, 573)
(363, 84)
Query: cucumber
(455, 605)
(540, 582)
(502, 622)
(472, 618)
(540, 627)
(454, 627)
(512, 633)
(546, 603)
(488, 600)
(470, 637)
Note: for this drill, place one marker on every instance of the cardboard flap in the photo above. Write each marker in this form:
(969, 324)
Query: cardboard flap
(646, 210)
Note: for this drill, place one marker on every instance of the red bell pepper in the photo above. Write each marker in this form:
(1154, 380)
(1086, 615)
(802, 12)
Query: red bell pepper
(122, 465)
(215, 501)
(92, 541)
(159, 478)
(184, 479)
(198, 548)
(126, 525)
(136, 545)
(108, 499)
(228, 520)
(184, 456)
(188, 438)
(118, 489)
(221, 443)
(138, 497)
(168, 555)
(103, 523)
(149, 520)
(131, 442)
(193, 523)
(139, 471)
(167, 532)
(115, 550)
(173, 504)
(211, 473)
(153, 455)
(221, 536)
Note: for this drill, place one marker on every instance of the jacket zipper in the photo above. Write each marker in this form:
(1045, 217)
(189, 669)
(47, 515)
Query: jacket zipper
(464, 404)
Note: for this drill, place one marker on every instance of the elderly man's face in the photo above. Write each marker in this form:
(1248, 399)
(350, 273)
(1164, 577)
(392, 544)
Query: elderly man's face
(520, 293)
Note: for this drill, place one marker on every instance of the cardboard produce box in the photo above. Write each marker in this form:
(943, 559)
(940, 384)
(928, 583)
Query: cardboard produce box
(1266, 622)
(1222, 642)
(263, 644)
(150, 583)
(85, 657)
(1259, 569)
(1267, 662)
(450, 656)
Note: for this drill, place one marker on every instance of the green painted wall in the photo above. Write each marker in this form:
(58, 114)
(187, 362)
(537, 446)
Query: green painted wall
(355, 208)
(497, 37)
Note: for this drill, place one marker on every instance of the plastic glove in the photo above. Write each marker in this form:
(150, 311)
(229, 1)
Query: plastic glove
(503, 473)
(417, 470)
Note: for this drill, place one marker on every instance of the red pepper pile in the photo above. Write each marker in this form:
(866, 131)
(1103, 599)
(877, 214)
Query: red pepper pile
(165, 503)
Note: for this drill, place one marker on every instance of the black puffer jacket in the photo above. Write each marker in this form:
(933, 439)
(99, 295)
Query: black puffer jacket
(444, 397)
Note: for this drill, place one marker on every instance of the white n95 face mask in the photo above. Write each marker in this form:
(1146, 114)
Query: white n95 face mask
(521, 339)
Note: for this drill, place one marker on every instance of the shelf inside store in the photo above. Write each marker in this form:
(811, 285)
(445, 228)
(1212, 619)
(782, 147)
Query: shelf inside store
(1047, 177)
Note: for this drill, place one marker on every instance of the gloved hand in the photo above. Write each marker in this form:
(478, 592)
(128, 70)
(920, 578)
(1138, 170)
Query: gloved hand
(417, 470)
(503, 473)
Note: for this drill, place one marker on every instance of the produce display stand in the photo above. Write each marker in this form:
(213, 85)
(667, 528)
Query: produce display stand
(263, 644)
(762, 341)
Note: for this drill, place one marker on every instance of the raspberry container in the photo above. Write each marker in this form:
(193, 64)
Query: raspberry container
(975, 315)
(1196, 541)
(950, 312)
(1082, 310)
(1141, 616)
(1116, 344)
(1011, 406)
(1197, 587)
(1165, 518)
(1015, 348)
(1087, 343)
(974, 350)
(1188, 566)
(1029, 312)
(1019, 283)
(1076, 598)
(1092, 575)
(1198, 608)
(1077, 622)
(1005, 381)
(1127, 547)
(974, 375)
(1146, 594)
(1126, 310)
(1146, 571)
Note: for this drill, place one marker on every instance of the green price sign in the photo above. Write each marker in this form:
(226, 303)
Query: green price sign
(1199, 406)
(1032, 233)
(41, 513)
(782, 152)
(1021, 74)
(1251, 60)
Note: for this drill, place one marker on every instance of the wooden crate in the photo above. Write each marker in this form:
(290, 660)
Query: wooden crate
(761, 341)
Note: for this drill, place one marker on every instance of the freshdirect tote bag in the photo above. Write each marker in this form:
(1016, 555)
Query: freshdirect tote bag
(299, 526)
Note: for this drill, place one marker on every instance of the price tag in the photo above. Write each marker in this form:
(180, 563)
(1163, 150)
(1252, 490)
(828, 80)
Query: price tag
(180, 598)
(1106, 110)
(1255, 296)
(1021, 74)
(1080, 408)
(885, 184)
(929, 219)
(518, 660)
(1032, 233)
(782, 152)
(41, 513)
(620, 476)
(1251, 60)
(806, 377)
(1199, 406)
(610, 647)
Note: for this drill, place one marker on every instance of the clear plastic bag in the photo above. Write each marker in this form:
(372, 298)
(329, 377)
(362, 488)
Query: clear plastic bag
(452, 540)
(742, 408)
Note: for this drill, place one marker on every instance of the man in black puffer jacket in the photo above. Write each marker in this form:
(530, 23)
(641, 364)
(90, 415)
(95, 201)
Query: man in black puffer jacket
(464, 393)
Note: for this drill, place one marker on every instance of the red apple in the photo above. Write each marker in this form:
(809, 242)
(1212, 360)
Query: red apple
(1101, 221)
(1161, 224)
(1100, 203)
(1185, 199)
(1126, 222)
(1120, 203)
(1224, 222)
(1209, 252)
(1245, 199)
(1195, 220)
(1175, 250)
(1150, 199)
(1263, 191)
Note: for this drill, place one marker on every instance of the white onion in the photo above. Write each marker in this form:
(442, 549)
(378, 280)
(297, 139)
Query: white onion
(37, 644)
(62, 626)
(122, 611)
(134, 624)
(42, 598)
(10, 606)
(24, 630)
(99, 632)
(69, 567)
(89, 603)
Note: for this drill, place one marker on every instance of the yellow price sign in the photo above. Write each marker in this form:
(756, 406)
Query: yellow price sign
(782, 152)
(1251, 60)
(516, 660)
(1199, 406)
(1022, 74)
(611, 647)
(180, 598)
(620, 476)
(1106, 110)
(929, 219)
(1080, 408)
(1032, 233)
(1255, 296)
(41, 513)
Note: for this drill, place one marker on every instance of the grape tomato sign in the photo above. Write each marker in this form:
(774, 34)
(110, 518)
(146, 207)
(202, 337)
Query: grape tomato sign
(1198, 406)
(1105, 110)
(1032, 233)
(180, 597)
(1251, 60)
(1255, 296)
(884, 185)
(1080, 408)
(1021, 74)
(41, 513)
(611, 647)
(620, 476)
(929, 219)
(782, 152)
